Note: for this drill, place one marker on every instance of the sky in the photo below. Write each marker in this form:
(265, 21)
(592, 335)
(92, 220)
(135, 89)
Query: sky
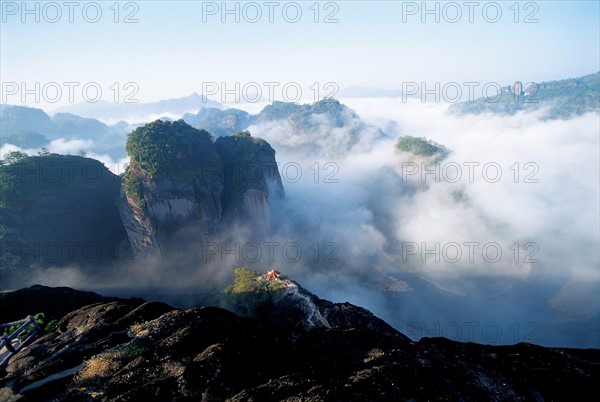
(150, 50)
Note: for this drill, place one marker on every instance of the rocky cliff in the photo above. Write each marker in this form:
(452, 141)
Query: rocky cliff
(299, 308)
(251, 179)
(119, 350)
(181, 189)
(58, 210)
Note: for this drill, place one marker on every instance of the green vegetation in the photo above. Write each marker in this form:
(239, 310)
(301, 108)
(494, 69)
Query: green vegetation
(243, 147)
(245, 281)
(172, 149)
(23, 179)
(175, 149)
(133, 187)
(251, 294)
(564, 99)
(332, 108)
(130, 349)
(51, 326)
(242, 157)
(39, 319)
(300, 116)
(278, 111)
(420, 146)
(14, 157)
(219, 122)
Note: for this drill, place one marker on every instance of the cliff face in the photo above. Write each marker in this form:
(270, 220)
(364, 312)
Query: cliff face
(140, 229)
(251, 177)
(58, 210)
(181, 189)
(299, 308)
(172, 189)
(170, 209)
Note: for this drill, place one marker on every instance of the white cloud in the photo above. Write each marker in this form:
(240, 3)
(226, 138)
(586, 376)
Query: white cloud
(62, 146)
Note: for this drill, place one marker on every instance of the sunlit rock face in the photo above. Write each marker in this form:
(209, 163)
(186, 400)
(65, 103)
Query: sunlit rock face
(252, 181)
(181, 189)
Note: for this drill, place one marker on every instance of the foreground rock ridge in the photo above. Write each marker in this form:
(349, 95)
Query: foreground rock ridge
(128, 349)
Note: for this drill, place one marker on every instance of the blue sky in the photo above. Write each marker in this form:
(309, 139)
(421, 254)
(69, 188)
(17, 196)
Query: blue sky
(176, 47)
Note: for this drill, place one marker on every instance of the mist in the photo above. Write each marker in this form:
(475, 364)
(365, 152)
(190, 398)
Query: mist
(436, 247)
(517, 244)
(73, 147)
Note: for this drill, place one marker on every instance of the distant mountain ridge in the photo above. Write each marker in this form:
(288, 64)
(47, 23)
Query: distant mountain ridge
(326, 127)
(28, 127)
(563, 98)
(112, 112)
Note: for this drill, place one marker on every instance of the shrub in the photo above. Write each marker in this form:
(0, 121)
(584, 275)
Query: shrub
(250, 295)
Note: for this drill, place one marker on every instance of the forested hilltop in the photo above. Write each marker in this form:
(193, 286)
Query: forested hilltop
(561, 99)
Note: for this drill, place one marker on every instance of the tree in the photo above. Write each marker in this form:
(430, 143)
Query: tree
(82, 153)
(244, 133)
(44, 152)
(15, 156)
(420, 146)
(171, 148)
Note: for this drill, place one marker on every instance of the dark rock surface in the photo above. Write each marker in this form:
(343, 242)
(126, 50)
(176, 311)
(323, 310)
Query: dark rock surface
(126, 350)
(58, 210)
(54, 302)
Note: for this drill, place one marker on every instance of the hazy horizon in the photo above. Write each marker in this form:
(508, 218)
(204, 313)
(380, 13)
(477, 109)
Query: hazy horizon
(124, 54)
